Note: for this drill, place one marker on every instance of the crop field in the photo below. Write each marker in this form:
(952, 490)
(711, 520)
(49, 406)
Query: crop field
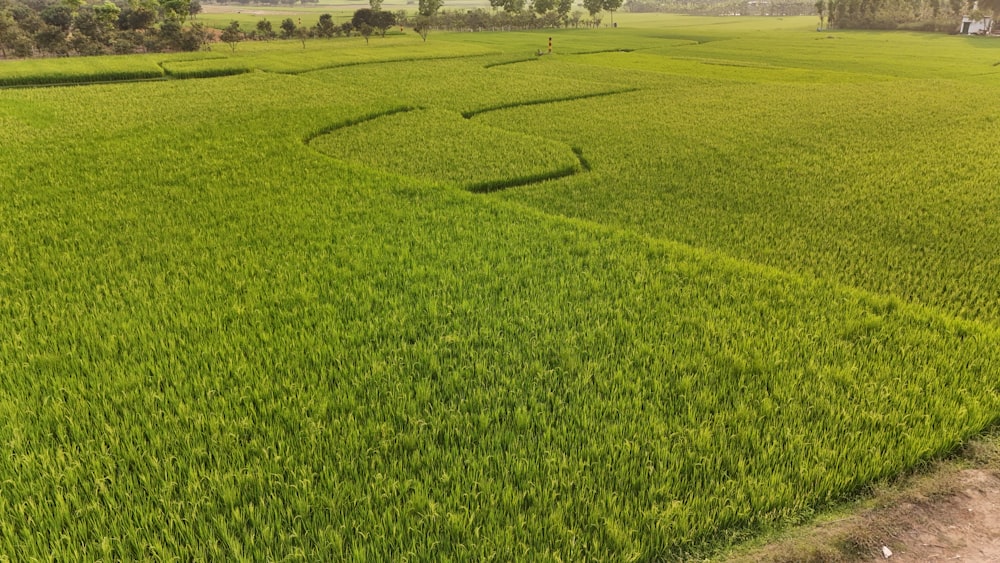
(676, 285)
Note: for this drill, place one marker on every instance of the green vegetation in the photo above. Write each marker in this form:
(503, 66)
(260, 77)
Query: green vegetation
(266, 316)
(441, 145)
(57, 71)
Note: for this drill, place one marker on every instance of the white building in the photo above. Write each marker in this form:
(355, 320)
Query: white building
(976, 27)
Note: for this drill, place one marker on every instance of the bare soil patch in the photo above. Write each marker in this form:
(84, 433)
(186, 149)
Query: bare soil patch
(951, 512)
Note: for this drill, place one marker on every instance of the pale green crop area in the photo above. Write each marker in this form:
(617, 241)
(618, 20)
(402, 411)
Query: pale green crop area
(728, 273)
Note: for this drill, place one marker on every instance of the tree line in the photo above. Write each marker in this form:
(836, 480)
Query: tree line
(74, 27)
(725, 7)
(365, 22)
(929, 15)
(71, 27)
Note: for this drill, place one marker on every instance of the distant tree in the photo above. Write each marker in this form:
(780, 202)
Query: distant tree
(73, 5)
(429, 7)
(820, 6)
(58, 16)
(990, 6)
(265, 30)
(575, 17)
(563, 8)
(287, 28)
(137, 18)
(509, 6)
(95, 28)
(325, 27)
(611, 6)
(107, 15)
(382, 21)
(52, 39)
(542, 6)
(362, 16)
(302, 33)
(375, 4)
(593, 7)
(194, 8)
(8, 29)
(422, 27)
(193, 37)
(179, 9)
(169, 34)
(28, 20)
(232, 34)
(366, 31)
(20, 44)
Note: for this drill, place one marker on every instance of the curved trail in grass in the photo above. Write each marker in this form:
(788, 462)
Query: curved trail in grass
(576, 165)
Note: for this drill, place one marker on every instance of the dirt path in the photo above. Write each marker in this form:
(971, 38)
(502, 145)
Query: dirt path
(950, 513)
(962, 524)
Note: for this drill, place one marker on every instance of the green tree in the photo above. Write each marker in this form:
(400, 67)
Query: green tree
(107, 14)
(169, 33)
(542, 6)
(179, 9)
(58, 16)
(362, 16)
(611, 6)
(366, 31)
(193, 37)
(232, 34)
(287, 28)
(325, 27)
(429, 7)
(382, 21)
(563, 8)
(376, 5)
(52, 39)
(265, 30)
(508, 6)
(10, 32)
(423, 26)
(593, 7)
(137, 18)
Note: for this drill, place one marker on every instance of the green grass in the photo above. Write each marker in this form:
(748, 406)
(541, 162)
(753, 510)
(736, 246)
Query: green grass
(441, 145)
(262, 316)
(77, 69)
(206, 68)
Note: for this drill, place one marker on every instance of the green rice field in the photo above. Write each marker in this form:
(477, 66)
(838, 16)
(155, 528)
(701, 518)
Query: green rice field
(676, 285)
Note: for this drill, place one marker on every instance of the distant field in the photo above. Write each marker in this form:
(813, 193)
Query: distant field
(219, 15)
(680, 283)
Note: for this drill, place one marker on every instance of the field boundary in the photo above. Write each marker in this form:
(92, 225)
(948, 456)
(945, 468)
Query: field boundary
(472, 113)
(381, 61)
(352, 122)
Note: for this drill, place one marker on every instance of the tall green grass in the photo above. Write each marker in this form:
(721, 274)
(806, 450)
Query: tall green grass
(443, 146)
(35, 72)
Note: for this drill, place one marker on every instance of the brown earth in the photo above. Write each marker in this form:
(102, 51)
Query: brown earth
(949, 513)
